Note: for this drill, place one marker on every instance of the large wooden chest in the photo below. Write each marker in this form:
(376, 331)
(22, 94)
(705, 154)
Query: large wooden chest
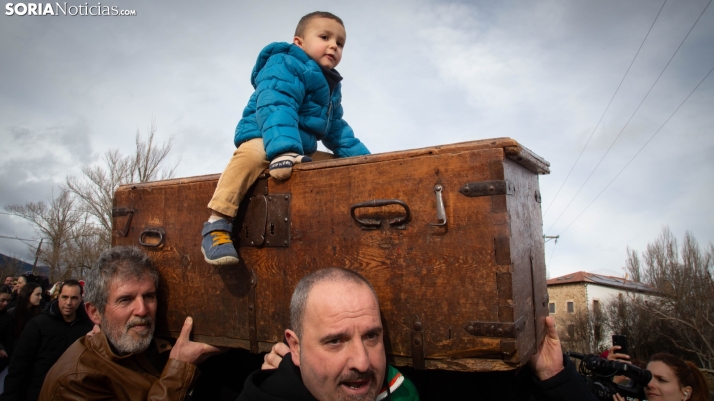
(450, 236)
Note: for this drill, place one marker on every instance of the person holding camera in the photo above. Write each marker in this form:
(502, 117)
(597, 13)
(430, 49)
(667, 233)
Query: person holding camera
(675, 380)
(672, 378)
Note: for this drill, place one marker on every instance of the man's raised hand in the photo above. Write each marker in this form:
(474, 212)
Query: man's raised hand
(548, 361)
(272, 360)
(189, 351)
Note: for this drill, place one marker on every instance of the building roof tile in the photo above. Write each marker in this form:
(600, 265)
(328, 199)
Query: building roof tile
(599, 279)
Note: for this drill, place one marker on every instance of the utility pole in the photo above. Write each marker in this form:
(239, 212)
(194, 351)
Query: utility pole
(37, 256)
(550, 237)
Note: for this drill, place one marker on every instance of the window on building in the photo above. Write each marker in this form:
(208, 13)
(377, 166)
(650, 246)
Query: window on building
(571, 330)
(551, 307)
(597, 319)
(597, 312)
(571, 307)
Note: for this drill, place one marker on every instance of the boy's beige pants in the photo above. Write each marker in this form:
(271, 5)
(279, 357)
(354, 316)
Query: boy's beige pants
(246, 165)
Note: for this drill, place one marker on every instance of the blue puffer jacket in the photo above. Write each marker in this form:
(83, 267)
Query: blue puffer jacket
(291, 108)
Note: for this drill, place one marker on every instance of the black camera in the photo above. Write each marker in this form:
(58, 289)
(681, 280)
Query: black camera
(598, 373)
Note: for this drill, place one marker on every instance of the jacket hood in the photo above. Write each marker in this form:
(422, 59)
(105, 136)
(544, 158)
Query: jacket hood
(54, 312)
(281, 384)
(279, 48)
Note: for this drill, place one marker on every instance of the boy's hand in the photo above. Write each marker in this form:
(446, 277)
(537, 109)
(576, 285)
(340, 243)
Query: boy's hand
(282, 166)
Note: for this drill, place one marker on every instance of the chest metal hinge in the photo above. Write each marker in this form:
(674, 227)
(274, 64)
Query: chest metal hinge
(488, 188)
(263, 219)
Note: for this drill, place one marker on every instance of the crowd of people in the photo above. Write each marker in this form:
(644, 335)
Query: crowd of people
(37, 324)
(101, 345)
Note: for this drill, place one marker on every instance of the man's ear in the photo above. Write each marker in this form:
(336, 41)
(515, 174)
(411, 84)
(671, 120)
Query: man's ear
(93, 313)
(294, 344)
(297, 41)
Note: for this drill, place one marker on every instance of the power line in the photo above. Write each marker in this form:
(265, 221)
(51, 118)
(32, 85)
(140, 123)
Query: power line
(631, 116)
(638, 152)
(606, 109)
(23, 240)
(19, 239)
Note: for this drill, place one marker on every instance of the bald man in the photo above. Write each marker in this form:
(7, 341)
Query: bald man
(336, 346)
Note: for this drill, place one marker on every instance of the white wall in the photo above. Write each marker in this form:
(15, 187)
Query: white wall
(603, 294)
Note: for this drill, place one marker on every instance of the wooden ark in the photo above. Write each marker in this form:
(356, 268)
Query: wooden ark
(450, 237)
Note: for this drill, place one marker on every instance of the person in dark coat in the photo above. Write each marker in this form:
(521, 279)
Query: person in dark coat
(5, 327)
(44, 340)
(29, 301)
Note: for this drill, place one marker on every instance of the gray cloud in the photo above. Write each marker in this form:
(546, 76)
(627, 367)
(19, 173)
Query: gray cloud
(417, 73)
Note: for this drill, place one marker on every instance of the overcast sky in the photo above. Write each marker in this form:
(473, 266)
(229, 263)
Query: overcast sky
(417, 74)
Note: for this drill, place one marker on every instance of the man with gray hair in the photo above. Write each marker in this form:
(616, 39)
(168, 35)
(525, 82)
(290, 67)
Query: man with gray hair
(122, 360)
(336, 346)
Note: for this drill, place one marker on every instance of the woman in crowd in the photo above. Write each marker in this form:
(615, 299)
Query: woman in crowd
(21, 282)
(28, 306)
(674, 380)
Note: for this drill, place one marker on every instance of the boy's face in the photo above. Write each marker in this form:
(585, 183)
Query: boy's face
(323, 41)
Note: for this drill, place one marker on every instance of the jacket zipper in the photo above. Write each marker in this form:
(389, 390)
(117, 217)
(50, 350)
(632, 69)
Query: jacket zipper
(329, 118)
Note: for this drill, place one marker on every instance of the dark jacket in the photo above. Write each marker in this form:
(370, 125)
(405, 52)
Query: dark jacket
(285, 384)
(7, 339)
(565, 386)
(43, 341)
(13, 301)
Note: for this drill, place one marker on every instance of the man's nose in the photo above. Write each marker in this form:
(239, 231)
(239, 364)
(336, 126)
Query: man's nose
(359, 357)
(140, 308)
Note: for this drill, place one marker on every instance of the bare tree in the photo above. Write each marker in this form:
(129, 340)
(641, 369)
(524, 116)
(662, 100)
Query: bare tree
(11, 266)
(54, 221)
(96, 188)
(632, 266)
(583, 332)
(96, 191)
(148, 158)
(622, 316)
(683, 275)
(83, 249)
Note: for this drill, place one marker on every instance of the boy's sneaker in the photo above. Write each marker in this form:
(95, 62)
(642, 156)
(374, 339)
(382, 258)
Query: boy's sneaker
(217, 247)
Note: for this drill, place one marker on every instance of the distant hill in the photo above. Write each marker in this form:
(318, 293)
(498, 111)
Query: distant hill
(20, 267)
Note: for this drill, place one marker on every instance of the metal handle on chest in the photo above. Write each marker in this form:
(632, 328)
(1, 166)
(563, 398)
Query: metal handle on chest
(152, 232)
(440, 211)
(400, 223)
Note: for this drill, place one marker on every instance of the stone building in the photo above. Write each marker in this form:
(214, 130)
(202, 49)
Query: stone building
(573, 296)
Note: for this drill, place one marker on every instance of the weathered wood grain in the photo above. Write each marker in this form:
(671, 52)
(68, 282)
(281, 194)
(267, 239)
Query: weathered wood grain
(485, 265)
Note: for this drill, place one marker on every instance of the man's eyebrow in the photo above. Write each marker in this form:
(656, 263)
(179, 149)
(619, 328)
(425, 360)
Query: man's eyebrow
(332, 336)
(376, 330)
(342, 334)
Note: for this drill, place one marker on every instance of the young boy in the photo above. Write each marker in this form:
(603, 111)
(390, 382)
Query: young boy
(296, 103)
